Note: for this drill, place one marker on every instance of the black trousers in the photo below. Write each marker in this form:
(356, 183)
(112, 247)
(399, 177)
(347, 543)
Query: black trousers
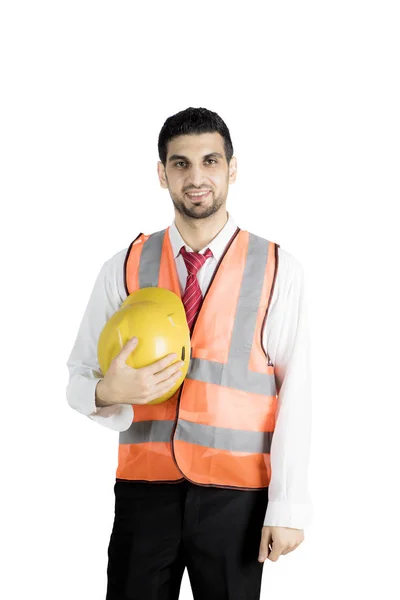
(161, 528)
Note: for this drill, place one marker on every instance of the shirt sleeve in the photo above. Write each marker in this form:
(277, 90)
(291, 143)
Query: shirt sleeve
(287, 339)
(84, 369)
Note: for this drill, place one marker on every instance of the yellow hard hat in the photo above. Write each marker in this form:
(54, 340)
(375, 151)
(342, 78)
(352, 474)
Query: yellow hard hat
(156, 316)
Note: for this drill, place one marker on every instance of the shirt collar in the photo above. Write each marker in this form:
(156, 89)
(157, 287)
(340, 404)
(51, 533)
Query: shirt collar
(217, 245)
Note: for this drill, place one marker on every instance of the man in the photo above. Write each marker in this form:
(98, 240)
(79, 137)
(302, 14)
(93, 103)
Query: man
(223, 485)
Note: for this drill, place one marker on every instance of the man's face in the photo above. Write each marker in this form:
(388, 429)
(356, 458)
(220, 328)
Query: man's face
(197, 163)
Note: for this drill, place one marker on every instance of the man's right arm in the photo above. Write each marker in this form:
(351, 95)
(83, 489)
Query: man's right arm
(84, 389)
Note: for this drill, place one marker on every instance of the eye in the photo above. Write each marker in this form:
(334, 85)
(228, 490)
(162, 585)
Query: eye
(182, 162)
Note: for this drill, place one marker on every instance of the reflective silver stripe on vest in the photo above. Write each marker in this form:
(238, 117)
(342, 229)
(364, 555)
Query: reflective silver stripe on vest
(234, 373)
(150, 260)
(147, 431)
(234, 440)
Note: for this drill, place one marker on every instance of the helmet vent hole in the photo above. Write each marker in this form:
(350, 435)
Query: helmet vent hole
(183, 353)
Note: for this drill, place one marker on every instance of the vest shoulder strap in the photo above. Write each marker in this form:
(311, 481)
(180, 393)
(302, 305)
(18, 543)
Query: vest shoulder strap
(126, 260)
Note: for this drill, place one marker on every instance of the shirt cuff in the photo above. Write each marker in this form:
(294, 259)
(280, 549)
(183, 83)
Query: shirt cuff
(117, 417)
(286, 514)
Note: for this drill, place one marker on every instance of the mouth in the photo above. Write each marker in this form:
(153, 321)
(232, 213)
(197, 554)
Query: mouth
(195, 197)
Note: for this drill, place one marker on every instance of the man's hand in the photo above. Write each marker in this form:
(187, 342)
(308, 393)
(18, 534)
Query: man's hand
(122, 384)
(282, 540)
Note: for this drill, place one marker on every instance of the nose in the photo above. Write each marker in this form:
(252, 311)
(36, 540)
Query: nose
(196, 179)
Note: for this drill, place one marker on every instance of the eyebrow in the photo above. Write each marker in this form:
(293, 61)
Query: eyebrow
(180, 156)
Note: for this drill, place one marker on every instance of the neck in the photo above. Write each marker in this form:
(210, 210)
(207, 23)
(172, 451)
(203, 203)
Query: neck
(198, 233)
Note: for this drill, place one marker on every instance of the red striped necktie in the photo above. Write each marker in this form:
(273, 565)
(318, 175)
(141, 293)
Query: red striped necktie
(192, 295)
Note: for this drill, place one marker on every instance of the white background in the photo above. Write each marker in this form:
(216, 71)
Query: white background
(310, 93)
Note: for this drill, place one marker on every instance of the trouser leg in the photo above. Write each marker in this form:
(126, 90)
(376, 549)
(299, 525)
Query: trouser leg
(145, 556)
(221, 537)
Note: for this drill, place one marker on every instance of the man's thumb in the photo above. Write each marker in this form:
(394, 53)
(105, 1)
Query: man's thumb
(127, 349)
(264, 544)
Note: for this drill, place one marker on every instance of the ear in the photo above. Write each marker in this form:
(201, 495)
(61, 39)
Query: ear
(162, 176)
(232, 169)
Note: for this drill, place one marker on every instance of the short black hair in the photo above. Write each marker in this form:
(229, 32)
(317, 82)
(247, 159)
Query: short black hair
(193, 121)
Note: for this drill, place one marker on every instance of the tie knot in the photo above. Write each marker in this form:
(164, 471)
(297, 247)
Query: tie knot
(194, 260)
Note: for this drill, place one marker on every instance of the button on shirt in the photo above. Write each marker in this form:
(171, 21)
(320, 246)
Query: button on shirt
(285, 338)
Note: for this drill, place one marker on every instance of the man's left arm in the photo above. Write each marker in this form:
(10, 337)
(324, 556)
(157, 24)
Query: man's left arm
(289, 507)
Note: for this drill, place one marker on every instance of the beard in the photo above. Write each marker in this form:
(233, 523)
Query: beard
(200, 210)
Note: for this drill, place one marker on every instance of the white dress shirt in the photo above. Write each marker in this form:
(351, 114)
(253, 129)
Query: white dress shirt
(285, 338)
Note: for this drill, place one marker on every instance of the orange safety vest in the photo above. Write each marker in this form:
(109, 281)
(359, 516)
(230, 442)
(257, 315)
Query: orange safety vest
(216, 430)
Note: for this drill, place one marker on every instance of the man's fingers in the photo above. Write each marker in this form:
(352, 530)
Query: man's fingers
(275, 552)
(129, 347)
(161, 364)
